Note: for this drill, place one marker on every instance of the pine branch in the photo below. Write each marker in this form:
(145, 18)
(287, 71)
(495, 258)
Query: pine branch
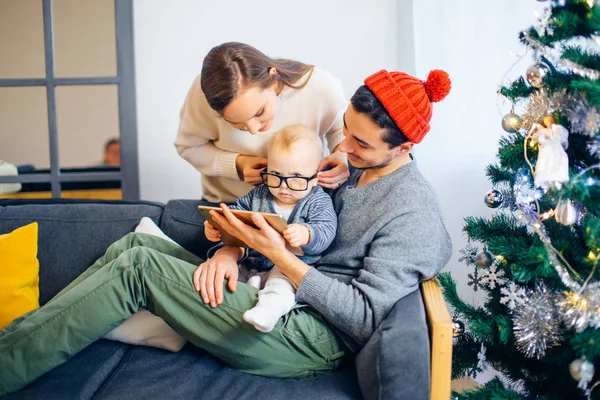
(451, 295)
(498, 175)
(517, 90)
(574, 19)
(464, 356)
(587, 343)
(589, 87)
(582, 57)
(493, 390)
(510, 152)
(501, 225)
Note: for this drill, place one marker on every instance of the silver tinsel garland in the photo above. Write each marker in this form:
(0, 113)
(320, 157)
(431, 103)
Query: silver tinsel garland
(536, 324)
(581, 310)
(583, 118)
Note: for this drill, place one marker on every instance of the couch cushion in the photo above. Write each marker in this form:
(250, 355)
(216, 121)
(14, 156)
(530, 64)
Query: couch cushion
(397, 353)
(79, 378)
(183, 223)
(72, 235)
(194, 374)
(110, 370)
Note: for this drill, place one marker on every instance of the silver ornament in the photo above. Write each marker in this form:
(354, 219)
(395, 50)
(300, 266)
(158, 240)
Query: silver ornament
(511, 122)
(582, 371)
(484, 259)
(493, 198)
(565, 212)
(458, 328)
(536, 324)
(536, 73)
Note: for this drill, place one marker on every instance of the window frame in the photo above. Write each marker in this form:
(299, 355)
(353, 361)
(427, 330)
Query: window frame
(125, 81)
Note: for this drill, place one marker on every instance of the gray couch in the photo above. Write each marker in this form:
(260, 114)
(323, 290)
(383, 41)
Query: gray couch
(72, 234)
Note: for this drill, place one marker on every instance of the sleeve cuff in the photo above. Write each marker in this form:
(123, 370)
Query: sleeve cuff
(309, 247)
(313, 287)
(225, 162)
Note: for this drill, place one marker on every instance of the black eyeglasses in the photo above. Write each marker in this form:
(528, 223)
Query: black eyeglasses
(296, 183)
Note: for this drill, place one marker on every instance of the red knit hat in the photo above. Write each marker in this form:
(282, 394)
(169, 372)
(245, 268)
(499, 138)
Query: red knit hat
(408, 99)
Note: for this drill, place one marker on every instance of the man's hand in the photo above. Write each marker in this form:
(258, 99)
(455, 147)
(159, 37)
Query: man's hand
(333, 170)
(249, 168)
(265, 240)
(210, 275)
(211, 232)
(297, 235)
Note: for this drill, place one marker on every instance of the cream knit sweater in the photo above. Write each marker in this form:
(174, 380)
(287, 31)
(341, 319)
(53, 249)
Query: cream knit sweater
(211, 145)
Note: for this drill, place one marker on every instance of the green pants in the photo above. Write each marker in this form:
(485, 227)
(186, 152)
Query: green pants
(144, 271)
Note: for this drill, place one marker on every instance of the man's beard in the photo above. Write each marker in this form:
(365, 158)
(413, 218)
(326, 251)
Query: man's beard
(388, 160)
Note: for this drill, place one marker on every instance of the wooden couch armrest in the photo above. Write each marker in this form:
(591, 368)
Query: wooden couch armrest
(440, 334)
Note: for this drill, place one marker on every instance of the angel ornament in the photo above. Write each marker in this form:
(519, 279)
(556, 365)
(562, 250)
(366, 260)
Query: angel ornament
(552, 162)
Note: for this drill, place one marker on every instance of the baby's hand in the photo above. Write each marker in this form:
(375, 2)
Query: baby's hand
(297, 235)
(211, 232)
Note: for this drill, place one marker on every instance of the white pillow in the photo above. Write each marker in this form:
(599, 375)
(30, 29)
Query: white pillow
(148, 226)
(144, 328)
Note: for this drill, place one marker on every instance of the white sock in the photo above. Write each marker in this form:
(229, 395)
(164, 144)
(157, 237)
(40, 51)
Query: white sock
(274, 301)
(254, 281)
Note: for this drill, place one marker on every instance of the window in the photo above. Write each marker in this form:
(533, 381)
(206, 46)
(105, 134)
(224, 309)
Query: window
(67, 85)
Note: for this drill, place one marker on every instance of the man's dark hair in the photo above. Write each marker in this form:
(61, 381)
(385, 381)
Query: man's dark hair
(110, 142)
(365, 102)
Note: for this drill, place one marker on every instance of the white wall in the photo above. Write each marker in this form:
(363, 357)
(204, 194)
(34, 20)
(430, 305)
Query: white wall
(350, 38)
(471, 41)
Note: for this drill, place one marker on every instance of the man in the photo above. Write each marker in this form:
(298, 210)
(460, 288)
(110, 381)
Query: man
(112, 153)
(391, 234)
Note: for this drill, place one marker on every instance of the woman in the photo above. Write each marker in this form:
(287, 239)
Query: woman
(240, 97)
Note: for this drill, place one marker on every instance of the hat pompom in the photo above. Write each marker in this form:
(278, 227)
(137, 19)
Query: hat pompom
(437, 85)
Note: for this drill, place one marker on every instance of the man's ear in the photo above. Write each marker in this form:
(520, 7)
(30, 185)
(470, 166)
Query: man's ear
(405, 147)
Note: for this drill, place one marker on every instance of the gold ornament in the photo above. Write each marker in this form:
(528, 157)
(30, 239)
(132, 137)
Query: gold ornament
(575, 369)
(582, 371)
(511, 122)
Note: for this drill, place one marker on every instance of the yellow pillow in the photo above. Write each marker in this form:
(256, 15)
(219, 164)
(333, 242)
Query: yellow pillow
(19, 272)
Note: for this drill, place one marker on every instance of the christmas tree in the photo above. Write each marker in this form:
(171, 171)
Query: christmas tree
(537, 257)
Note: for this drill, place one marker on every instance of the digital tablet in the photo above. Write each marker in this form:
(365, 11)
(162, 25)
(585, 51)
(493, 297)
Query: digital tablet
(275, 220)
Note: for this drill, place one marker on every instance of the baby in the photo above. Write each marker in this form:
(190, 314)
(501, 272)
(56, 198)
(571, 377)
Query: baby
(289, 189)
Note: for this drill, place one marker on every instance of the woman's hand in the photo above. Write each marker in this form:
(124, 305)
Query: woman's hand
(210, 275)
(265, 240)
(211, 232)
(249, 168)
(333, 170)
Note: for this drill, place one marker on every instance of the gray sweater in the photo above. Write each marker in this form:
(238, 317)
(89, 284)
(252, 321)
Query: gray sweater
(391, 236)
(315, 211)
